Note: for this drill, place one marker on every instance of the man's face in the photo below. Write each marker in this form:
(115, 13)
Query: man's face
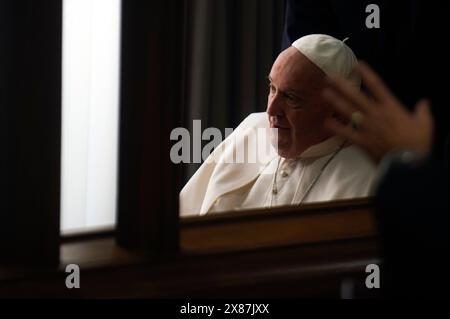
(294, 104)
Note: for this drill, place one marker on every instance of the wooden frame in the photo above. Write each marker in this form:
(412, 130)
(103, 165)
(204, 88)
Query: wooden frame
(295, 264)
(263, 228)
(30, 132)
(150, 107)
(290, 263)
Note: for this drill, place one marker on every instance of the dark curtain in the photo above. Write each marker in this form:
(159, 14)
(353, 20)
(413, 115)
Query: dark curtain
(230, 48)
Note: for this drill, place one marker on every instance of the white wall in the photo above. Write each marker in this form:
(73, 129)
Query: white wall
(90, 99)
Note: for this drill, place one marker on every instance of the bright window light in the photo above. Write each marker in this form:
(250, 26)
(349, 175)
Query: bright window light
(90, 111)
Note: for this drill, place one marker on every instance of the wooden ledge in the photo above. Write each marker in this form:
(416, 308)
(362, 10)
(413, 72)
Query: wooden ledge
(254, 229)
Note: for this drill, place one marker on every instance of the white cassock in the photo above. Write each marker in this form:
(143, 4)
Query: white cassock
(220, 186)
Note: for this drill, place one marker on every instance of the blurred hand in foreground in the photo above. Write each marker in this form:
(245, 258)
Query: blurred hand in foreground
(380, 123)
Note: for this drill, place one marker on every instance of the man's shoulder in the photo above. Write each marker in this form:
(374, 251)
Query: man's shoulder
(255, 120)
(353, 160)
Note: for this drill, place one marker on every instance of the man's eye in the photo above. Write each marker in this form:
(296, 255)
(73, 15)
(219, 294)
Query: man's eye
(293, 101)
(291, 98)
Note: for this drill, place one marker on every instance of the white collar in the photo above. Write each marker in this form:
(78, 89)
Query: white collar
(323, 148)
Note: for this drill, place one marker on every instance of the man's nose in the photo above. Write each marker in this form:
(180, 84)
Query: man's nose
(274, 107)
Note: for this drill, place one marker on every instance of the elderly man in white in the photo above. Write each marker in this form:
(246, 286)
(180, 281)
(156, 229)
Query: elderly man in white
(309, 163)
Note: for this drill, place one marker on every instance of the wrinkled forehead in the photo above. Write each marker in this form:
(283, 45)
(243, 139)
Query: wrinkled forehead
(293, 69)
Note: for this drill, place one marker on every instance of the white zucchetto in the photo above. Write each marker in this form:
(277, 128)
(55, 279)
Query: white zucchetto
(331, 55)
